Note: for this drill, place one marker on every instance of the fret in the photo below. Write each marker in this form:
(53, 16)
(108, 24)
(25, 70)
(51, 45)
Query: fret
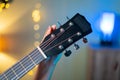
(36, 58)
(15, 73)
(9, 74)
(32, 60)
(23, 66)
(19, 70)
(5, 76)
(27, 63)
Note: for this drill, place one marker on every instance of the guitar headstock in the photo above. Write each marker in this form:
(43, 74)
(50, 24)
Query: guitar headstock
(76, 28)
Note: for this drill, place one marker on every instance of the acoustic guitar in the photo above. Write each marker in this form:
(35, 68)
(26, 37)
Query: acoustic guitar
(67, 34)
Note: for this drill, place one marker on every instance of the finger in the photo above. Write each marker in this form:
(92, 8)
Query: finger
(48, 31)
(53, 27)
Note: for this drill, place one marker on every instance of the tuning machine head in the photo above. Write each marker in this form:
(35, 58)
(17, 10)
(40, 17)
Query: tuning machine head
(76, 46)
(67, 17)
(85, 40)
(67, 53)
(59, 23)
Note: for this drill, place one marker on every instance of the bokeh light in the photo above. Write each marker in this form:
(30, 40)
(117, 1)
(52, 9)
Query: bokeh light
(36, 27)
(36, 43)
(36, 15)
(37, 35)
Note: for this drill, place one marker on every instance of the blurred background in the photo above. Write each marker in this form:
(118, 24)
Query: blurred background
(24, 22)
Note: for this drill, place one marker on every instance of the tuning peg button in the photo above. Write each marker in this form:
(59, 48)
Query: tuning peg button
(59, 23)
(61, 47)
(67, 53)
(70, 40)
(62, 30)
(76, 46)
(79, 33)
(71, 24)
(67, 17)
(85, 40)
(52, 35)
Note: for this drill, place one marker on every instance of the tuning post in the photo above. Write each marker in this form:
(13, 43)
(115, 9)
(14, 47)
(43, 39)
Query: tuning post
(52, 35)
(76, 46)
(70, 23)
(67, 53)
(85, 40)
(59, 23)
(70, 40)
(61, 47)
(62, 30)
(67, 17)
(78, 33)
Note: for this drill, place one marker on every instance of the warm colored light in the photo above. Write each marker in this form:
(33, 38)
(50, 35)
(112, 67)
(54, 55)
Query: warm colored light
(7, 5)
(36, 43)
(107, 23)
(6, 61)
(6, 0)
(31, 73)
(36, 19)
(36, 15)
(3, 43)
(36, 27)
(2, 5)
(1, 9)
(37, 35)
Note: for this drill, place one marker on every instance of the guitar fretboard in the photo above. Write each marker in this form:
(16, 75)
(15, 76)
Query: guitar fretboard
(23, 66)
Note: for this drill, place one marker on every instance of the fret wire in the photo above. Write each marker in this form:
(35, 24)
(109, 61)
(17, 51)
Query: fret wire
(37, 58)
(9, 72)
(5, 76)
(31, 65)
(18, 68)
(23, 67)
(27, 59)
(32, 60)
(15, 73)
(27, 62)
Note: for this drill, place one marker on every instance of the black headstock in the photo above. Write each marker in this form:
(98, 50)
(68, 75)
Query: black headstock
(76, 28)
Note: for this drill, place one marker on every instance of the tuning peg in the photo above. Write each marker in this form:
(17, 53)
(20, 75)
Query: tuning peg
(67, 17)
(67, 53)
(59, 23)
(76, 46)
(85, 40)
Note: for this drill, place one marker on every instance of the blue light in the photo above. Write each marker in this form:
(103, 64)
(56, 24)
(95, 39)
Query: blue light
(107, 23)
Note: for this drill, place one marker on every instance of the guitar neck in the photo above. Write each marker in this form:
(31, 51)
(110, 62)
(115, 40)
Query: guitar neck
(23, 66)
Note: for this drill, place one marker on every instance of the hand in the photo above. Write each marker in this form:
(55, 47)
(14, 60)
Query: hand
(47, 66)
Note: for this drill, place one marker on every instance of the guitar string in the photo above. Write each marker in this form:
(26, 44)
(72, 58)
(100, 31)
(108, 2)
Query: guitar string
(31, 65)
(58, 35)
(47, 49)
(8, 72)
(24, 59)
(59, 43)
(54, 39)
(43, 45)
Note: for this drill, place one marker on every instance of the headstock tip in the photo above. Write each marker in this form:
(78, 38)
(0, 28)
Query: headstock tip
(85, 40)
